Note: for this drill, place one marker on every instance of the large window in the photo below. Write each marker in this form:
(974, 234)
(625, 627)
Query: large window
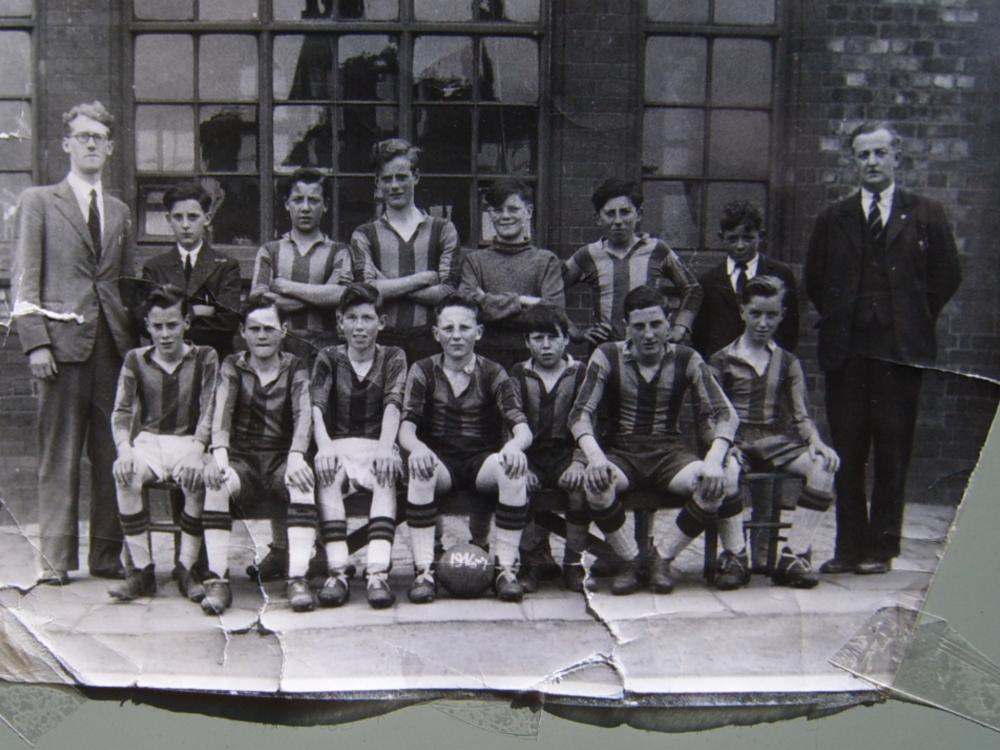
(709, 117)
(16, 93)
(238, 93)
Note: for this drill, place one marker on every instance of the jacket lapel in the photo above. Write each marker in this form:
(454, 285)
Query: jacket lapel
(720, 280)
(203, 268)
(849, 216)
(69, 208)
(897, 218)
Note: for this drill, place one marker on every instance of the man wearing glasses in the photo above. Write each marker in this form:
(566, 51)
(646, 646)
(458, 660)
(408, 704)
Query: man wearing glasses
(73, 242)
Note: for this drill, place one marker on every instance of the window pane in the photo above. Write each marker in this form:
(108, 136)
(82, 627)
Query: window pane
(368, 67)
(282, 223)
(508, 140)
(721, 193)
(442, 68)
(236, 202)
(152, 212)
(12, 184)
(228, 137)
(677, 11)
(442, 10)
(164, 10)
(518, 11)
(303, 67)
(739, 144)
(445, 136)
(15, 8)
(164, 139)
(741, 72)
(303, 137)
(744, 11)
(15, 62)
(509, 71)
(359, 127)
(675, 70)
(370, 10)
(448, 198)
(355, 204)
(672, 212)
(164, 66)
(227, 10)
(227, 67)
(15, 123)
(673, 141)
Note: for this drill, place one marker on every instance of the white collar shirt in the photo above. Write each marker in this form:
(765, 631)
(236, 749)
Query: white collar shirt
(733, 272)
(81, 191)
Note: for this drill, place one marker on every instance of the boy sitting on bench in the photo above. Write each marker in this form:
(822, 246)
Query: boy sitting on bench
(764, 382)
(456, 406)
(357, 392)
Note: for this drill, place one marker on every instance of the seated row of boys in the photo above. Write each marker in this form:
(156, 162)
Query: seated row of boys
(257, 412)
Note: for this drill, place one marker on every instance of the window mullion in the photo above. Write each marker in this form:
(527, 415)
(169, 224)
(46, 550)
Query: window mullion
(265, 138)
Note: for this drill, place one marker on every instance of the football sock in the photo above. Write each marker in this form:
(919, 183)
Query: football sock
(691, 521)
(577, 522)
(381, 533)
(611, 520)
(218, 530)
(135, 527)
(191, 533)
(729, 522)
(301, 537)
(421, 520)
(812, 505)
(510, 524)
(279, 532)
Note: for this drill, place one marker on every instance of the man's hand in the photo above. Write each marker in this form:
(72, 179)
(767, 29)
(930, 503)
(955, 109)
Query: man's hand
(427, 278)
(599, 475)
(124, 467)
(823, 452)
(513, 462)
(327, 464)
(202, 311)
(712, 482)
(189, 470)
(42, 364)
(597, 334)
(527, 300)
(298, 474)
(386, 466)
(423, 463)
(573, 478)
(677, 334)
(216, 472)
(280, 285)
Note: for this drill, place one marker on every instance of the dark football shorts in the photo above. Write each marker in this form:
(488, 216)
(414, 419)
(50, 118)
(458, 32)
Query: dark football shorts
(766, 450)
(462, 463)
(650, 462)
(549, 465)
(262, 482)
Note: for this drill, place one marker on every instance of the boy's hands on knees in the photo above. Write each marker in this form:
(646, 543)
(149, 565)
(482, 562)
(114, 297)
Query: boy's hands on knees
(513, 462)
(573, 478)
(533, 482)
(189, 470)
(327, 464)
(825, 454)
(422, 463)
(216, 469)
(298, 474)
(386, 466)
(599, 475)
(124, 467)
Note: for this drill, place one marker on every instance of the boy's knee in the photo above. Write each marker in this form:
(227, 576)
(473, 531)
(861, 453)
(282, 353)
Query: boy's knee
(600, 499)
(302, 497)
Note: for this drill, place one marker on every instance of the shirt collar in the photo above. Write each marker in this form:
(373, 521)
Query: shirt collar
(81, 190)
(751, 266)
(192, 350)
(243, 361)
(641, 238)
(571, 364)
(884, 197)
(287, 237)
(193, 253)
(629, 356)
(468, 369)
(734, 350)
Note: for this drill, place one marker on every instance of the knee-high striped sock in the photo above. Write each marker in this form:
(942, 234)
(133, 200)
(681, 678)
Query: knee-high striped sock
(611, 520)
(577, 521)
(218, 528)
(135, 527)
(301, 537)
(333, 534)
(421, 520)
(691, 521)
(510, 521)
(191, 533)
(381, 533)
(729, 521)
(808, 515)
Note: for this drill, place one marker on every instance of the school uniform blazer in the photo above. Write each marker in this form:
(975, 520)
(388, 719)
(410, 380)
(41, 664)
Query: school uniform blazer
(718, 322)
(59, 284)
(923, 272)
(215, 281)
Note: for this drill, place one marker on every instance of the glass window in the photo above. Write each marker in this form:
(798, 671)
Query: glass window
(303, 67)
(353, 10)
(508, 71)
(15, 8)
(15, 124)
(507, 142)
(164, 66)
(671, 210)
(673, 141)
(15, 62)
(442, 68)
(445, 136)
(12, 184)
(744, 11)
(442, 10)
(368, 67)
(738, 146)
(17, 141)
(164, 138)
(516, 11)
(228, 138)
(227, 10)
(164, 10)
(675, 70)
(677, 11)
(227, 67)
(741, 73)
(303, 137)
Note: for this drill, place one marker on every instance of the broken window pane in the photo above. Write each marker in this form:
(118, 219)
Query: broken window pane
(445, 136)
(15, 135)
(164, 138)
(442, 68)
(508, 140)
(303, 137)
(509, 71)
(303, 67)
(228, 136)
(368, 67)
(359, 127)
(236, 201)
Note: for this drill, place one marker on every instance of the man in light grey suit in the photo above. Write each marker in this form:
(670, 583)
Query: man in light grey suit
(73, 242)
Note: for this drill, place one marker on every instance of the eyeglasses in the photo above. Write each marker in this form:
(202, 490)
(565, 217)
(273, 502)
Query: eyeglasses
(84, 138)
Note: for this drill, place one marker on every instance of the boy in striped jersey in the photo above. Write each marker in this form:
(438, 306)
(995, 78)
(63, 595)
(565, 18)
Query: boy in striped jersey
(260, 436)
(162, 422)
(547, 384)
(457, 405)
(357, 393)
(624, 259)
(765, 382)
(643, 381)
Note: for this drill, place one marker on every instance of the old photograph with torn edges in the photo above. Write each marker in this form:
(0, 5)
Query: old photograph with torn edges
(627, 354)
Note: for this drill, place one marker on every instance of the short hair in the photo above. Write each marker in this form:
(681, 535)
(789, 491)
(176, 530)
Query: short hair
(544, 318)
(187, 192)
(866, 127)
(614, 188)
(165, 296)
(385, 151)
(644, 296)
(360, 294)
(307, 176)
(746, 213)
(505, 187)
(94, 110)
(763, 286)
(458, 300)
(259, 302)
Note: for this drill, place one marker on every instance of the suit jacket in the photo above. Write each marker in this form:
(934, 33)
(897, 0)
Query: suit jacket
(923, 275)
(56, 270)
(718, 322)
(215, 281)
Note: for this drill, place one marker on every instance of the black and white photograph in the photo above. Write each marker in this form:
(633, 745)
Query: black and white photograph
(600, 354)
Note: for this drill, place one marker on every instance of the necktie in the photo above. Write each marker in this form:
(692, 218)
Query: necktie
(741, 277)
(94, 223)
(874, 218)
(187, 268)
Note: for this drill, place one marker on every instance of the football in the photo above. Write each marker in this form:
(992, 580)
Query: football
(465, 570)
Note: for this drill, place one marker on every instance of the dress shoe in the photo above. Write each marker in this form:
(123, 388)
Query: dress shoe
(836, 566)
(871, 566)
(114, 573)
(54, 578)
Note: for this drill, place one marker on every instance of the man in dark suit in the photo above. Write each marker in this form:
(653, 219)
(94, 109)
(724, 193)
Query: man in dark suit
(73, 242)
(881, 264)
(718, 322)
(210, 279)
